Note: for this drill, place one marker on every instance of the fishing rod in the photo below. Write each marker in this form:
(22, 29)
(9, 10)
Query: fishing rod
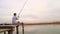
(22, 22)
(22, 7)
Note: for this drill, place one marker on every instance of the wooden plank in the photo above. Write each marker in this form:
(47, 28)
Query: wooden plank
(7, 26)
(3, 30)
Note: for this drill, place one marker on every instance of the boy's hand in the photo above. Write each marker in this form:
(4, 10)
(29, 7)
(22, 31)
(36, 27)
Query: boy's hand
(18, 16)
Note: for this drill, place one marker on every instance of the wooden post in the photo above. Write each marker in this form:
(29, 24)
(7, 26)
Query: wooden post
(4, 32)
(22, 28)
(10, 31)
(17, 29)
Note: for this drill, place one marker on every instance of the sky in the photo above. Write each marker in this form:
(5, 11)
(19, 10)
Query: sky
(33, 11)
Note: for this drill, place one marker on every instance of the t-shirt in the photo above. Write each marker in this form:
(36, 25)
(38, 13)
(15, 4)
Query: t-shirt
(14, 19)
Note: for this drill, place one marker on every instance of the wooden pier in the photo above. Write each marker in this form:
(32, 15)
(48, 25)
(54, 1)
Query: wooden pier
(8, 28)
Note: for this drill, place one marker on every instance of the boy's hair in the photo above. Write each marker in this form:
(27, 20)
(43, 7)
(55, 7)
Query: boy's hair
(14, 14)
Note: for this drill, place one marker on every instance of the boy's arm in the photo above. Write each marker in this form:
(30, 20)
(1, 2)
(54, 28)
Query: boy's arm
(17, 18)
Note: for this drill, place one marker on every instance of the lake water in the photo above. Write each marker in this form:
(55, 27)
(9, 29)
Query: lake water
(40, 29)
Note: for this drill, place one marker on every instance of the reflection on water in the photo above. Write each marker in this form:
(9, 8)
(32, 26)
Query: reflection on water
(40, 29)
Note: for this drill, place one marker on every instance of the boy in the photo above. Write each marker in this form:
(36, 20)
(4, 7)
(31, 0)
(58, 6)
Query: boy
(14, 19)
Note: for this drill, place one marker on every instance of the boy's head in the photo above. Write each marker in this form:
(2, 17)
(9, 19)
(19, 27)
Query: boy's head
(14, 14)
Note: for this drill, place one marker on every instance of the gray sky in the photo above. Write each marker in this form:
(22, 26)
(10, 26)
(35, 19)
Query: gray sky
(34, 10)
